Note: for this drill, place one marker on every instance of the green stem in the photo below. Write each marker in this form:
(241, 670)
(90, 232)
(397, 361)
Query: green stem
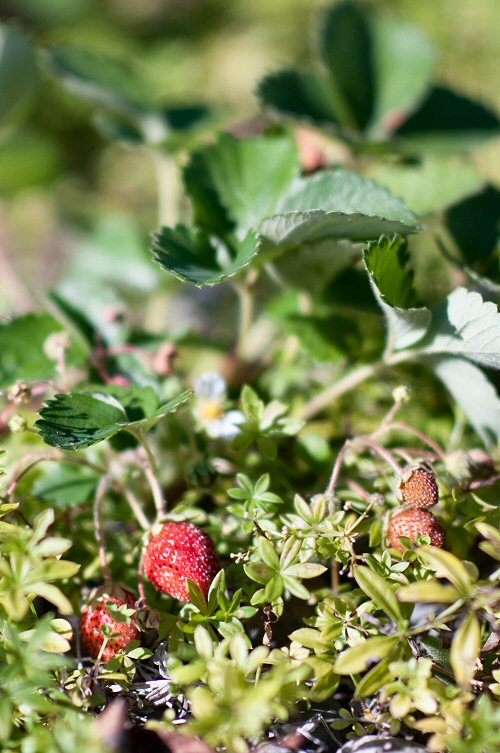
(246, 312)
(150, 472)
(351, 380)
(101, 490)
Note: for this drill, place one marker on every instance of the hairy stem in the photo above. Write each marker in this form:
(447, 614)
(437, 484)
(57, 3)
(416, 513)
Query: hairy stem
(135, 507)
(246, 312)
(102, 488)
(150, 472)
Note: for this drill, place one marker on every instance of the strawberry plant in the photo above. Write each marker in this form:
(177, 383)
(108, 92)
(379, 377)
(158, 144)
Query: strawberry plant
(250, 436)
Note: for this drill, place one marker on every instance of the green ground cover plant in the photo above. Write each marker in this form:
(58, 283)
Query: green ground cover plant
(257, 455)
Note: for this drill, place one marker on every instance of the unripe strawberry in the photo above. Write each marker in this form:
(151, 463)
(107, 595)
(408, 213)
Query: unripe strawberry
(96, 615)
(178, 552)
(418, 487)
(413, 522)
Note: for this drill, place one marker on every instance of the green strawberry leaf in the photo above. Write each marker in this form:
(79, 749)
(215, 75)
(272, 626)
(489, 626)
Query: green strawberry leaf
(334, 204)
(448, 121)
(431, 185)
(466, 326)
(301, 94)
(473, 392)
(386, 262)
(78, 420)
(235, 183)
(338, 190)
(194, 256)
(374, 71)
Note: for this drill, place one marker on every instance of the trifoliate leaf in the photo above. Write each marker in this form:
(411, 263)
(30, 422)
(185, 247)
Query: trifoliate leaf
(78, 420)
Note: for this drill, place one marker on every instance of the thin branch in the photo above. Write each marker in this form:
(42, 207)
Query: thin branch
(136, 508)
(150, 472)
(401, 426)
(101, 491)
(351, 380)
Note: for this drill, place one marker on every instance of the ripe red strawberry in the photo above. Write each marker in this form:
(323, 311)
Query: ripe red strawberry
(418, 487)
(96, 615)
(180, 551)
(412, 523)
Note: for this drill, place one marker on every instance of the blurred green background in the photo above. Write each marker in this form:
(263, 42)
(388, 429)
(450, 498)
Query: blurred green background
(59, 178)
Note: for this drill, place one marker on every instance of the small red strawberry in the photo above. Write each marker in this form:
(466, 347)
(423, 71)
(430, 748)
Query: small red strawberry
(180, 551)
(418, 487)
(96, 615)
(413, 522)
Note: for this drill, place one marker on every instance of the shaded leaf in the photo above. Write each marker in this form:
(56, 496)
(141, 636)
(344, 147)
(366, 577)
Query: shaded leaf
(466, 326)
(193, 256)
(473, 392)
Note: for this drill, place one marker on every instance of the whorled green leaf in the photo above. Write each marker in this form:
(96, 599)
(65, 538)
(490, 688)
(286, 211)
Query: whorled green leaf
(77, 420)
(357, 658)
(376, 678)
(447, 565)
(491, 545)
(387, 264)
(428, 591)
(378, 590)
(193, 256)
(465, 648)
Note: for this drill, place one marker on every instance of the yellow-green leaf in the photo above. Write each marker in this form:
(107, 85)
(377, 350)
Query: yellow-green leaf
(378, 590)
(465, 649)
(357, 658)
(446, 565)
(429, 591)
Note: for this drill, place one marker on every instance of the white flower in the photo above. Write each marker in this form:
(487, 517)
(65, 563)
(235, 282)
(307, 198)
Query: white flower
(210, 411)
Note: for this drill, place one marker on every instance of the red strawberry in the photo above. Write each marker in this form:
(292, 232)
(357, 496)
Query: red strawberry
(180, 551)
(96, 615)
(412, 523)
(418, 487)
